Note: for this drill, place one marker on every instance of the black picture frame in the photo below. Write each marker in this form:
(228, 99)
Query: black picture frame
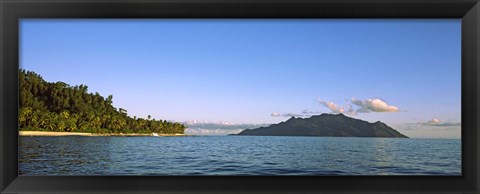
(13, 10)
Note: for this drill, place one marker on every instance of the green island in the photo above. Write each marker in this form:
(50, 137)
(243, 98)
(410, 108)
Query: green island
(59, 107)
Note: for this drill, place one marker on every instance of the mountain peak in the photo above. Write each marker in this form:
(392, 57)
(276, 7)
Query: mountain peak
(329, 114)
(330, 125)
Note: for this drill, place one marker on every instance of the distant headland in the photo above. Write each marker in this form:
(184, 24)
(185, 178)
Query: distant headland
(327, 125)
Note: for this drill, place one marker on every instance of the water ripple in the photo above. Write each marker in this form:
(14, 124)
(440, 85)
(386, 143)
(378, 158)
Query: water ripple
(237, 155)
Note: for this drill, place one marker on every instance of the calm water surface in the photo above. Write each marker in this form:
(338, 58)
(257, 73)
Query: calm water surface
(237, 155)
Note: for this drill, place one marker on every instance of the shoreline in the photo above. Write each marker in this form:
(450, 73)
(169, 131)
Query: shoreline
(57, 134)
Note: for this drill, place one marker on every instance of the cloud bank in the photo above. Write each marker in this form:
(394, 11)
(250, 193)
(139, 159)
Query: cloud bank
(433, 124)
(220, 125)
(276, 114)
(219, 128)
(190, 131)
(305, 113)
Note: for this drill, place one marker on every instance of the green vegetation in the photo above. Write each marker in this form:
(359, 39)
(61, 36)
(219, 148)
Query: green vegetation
(59, 107)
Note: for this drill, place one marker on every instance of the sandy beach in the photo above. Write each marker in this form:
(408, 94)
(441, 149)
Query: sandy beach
(52, 134)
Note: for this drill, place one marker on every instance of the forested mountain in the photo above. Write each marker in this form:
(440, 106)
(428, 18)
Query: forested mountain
(61, 107)
(329, 125)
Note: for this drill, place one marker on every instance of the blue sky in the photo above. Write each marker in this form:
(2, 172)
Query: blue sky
(405, 73)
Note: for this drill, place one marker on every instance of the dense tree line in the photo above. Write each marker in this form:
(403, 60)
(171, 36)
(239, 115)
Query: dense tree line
(61, 107)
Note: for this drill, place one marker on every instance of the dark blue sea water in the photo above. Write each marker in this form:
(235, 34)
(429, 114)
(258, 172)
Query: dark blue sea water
(237, 155)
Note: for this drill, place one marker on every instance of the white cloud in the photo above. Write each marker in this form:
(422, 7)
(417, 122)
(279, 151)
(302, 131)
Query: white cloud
(361, 106)
(438, 123)
(292, 115)
(373, 105)
(335, 108)
(275, 114)
(434, 121)
(309, 112)
(332, 106)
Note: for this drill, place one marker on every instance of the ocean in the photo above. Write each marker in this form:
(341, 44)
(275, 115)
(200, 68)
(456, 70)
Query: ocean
(238, 155)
